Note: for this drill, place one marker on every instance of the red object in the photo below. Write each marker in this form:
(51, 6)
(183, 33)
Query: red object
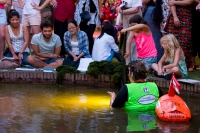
(64, 10)
(171, 107)
(174, 85)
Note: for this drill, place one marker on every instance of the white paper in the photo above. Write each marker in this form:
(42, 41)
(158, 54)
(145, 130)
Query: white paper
(188, 80)
(25, 69)
(84, 63)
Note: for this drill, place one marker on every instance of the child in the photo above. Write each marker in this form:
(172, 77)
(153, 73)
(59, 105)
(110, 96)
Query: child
(145, 46)
(173, 54)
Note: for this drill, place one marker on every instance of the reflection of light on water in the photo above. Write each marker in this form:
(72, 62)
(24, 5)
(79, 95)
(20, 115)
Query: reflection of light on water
(82, 98)
(89, 101)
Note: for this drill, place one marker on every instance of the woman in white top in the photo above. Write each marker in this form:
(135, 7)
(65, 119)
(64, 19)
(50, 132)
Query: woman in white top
(17, 37)
(105, 47)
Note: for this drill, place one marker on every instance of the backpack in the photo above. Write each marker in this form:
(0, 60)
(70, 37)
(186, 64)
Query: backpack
(92, 6)
(157, 13)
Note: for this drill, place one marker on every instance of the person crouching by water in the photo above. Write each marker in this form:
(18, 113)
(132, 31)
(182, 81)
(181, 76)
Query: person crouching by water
(76, 45)
(138, 96)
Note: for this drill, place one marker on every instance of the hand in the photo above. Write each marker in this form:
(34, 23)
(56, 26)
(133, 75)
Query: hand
(35, 6)
(120, 10)
(15, 57)
(20, 56)
(112, 94)
(101, 15)
(8, 3)
(171, 3)
(52, 56)
(54, 3)
(126, 55)
(123, 31)
(176, 21)
(76, 58)
(198, 7)
(163, 70)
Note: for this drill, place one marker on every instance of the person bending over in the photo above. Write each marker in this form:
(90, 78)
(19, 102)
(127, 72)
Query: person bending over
(46, 47)
(138, 96)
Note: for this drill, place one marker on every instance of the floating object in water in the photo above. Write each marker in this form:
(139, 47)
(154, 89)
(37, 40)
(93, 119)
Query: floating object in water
(171, 107)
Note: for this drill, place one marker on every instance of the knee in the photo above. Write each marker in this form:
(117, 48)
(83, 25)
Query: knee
(175, 69)
(30, 59)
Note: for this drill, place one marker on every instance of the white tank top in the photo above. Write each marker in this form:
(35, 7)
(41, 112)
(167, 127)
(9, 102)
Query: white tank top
(17, 41)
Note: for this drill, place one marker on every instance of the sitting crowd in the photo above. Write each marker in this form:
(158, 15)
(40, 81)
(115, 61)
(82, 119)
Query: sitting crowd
(43, 43)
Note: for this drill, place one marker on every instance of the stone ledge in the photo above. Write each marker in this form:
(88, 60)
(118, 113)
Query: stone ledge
(12, 76)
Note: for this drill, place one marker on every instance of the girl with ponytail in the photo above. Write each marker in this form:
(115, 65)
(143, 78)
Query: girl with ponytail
(145, 46)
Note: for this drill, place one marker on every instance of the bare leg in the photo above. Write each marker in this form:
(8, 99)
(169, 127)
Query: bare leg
(154, 66)
(54, 64)
(35, 62)
(176, 71)
(2, 40)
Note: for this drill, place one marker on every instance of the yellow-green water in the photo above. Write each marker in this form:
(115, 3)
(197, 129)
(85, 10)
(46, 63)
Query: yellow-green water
(27, 108)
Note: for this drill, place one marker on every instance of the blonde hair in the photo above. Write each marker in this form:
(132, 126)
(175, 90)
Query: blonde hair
(172, 44)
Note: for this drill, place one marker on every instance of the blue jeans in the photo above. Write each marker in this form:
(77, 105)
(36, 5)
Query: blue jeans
(24, 60)
(147, 61)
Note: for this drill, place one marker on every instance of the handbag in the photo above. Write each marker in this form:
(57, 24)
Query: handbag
(9, 63)
(85, 15)
(157, 13)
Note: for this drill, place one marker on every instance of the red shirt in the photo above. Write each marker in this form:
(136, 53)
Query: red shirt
(1, 6)
(64, 10)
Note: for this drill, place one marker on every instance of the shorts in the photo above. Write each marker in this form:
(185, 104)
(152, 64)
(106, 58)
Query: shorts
(50, 61)
(3, 20)
(31, 19)
(147, 61)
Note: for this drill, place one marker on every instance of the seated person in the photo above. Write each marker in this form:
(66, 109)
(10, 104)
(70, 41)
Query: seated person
(76, 45)
(138, 96)
(173, 59)
(46, 47)
(17, 38)
(105, 47)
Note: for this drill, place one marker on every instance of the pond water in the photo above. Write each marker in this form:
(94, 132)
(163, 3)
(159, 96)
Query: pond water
(26, 108)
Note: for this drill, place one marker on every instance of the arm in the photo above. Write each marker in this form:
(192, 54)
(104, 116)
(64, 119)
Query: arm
(160, 65)
(42, 6)
(180, 3)
(7, 37)
(144, 28)
(3, 1)
(121, 98)
(128, 44)
(113, 45)
(176, 60)
(176, 19)
(21, 3)
(42, 55)
(26, 39)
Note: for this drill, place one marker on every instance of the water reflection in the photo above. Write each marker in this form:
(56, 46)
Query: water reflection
(68, 109)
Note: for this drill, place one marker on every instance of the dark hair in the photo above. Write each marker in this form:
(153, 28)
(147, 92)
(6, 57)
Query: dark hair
(107, 28)
(12, 13)
(73, 22)
(138, 69)
(46, 24)
(137, 19)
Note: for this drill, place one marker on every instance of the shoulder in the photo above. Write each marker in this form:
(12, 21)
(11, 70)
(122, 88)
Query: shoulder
(55, 36)
(80, 32)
